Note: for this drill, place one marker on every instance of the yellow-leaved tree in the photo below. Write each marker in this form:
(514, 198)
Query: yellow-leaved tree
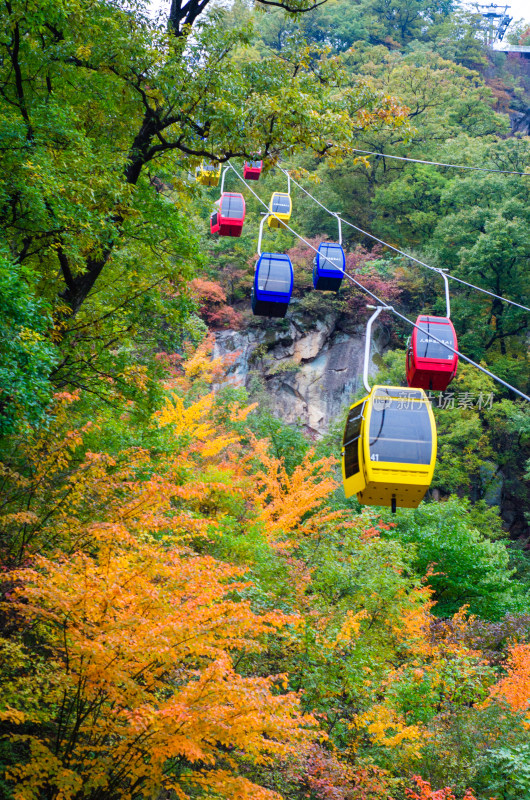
(132, 686)
(121, 641)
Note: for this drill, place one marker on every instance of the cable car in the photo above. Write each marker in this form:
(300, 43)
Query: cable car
(228, 219)
(273, 285)
(389, 447)
(430, 365)
(252, 170)
(282, 206)
(208, 174)
(328, 267)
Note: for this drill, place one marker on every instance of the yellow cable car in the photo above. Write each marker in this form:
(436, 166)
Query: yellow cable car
(282, 206)
(389, 448)
(208, 174)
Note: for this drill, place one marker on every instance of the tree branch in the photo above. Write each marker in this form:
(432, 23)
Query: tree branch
(289, 8)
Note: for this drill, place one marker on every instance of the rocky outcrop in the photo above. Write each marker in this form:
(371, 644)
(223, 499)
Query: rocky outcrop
(308, 372)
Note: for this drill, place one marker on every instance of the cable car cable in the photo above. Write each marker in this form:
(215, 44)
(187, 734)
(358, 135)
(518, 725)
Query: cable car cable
(436, 269)
(393, 310)
(407, 255)
(457, 352)
(441, 164)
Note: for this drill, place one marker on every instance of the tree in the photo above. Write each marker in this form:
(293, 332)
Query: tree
(126, 636)
(401, 22)
(513, 687)
(26, 355)
(138, 690)
(106, 115)
(184, 13)
(482, 237)
(332, 25)
(213, 307)
(506, 770)
(444, 101)
(146, 94)
(465, 566)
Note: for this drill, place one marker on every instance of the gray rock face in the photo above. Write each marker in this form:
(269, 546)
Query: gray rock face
(309, 375)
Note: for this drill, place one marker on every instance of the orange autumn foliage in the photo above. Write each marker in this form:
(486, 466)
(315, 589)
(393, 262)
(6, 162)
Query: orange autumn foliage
(153, 673)
(328, 777)
(292, 502)
(200, 367)
(138, 690)
(45, 494)
(141, 637)
(57, 484)
(514, 688)
(425, 792)
(213, 306)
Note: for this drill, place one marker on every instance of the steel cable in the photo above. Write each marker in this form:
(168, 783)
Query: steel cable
(385, 305)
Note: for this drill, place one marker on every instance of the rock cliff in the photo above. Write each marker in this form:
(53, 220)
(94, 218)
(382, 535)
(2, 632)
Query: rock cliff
(309, 369)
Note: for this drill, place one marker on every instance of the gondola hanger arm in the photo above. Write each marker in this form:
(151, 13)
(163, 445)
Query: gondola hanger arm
(367, 344)
(262, 223)
(228, 166)
(447, 298)
(339, 223)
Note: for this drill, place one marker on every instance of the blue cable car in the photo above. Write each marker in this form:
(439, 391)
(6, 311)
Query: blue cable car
(273, 285)
(273, 281)
(328, 267)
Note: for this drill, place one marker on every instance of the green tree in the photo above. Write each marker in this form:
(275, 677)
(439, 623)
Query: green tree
(444, 101)
(103, 116)
(465, 566)
(118, 93)
(402, 21)
(461, 749)
(505, 772)
(483, 237)
(26, 354)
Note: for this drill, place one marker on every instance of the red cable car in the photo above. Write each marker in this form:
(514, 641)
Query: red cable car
(430, 365)
(228, 219)
(252, 170)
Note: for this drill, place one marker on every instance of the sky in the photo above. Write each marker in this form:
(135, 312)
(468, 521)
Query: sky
(519, 9)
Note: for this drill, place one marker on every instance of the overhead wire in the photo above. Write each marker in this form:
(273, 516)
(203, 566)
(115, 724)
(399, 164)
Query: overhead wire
(441, 164)
(406, 255)
(384, 304)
